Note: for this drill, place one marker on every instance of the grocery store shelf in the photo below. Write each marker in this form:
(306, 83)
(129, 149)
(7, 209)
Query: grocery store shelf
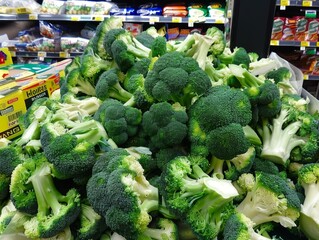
(297, 3)
(45, 54)
(293, 43)
(311, 77)
(149, 19)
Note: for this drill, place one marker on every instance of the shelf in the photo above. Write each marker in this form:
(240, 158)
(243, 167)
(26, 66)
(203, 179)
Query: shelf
(42, 54)
(293, 43)
(297, 3)
(311, 77)
(98, 18)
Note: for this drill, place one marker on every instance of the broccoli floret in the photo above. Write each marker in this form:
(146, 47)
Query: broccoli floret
(100, 33)
(237, 56)
(140, 67)
(77, 84)
(281, 74)
(176, 78)
(164, 155)
(158, 47)
(239, 227)
(145, 38)
(163, 229)
(32, 186)
(110, 37)
(262, 66)
(131, 199)
(220, 75)
(308, 179)
(89, 224)
(245, 77)
(262, 165)
(109, 86)
(75, 63)
(4, 186)
(202, 201)
(165, 124)
(120, 122)
(219, 41)
(254, 57)
(72, 151)
(144, 157)
(271, 200)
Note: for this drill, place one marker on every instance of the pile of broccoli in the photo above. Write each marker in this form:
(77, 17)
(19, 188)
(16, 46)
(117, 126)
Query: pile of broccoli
(149, 138)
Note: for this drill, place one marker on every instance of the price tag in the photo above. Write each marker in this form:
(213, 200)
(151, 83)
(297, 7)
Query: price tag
(98, 18)
(274, 42)
(21, 10)
(153, 20)
(304, 44)
(33, 16)
(284, 3)
(176, 19)
(306, 3)
(75, 18)
(220, 21)
(64, 55)
(305, 77)
(191, 22)
(42, 54)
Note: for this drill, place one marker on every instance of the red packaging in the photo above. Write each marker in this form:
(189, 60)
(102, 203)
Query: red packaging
(312, 30)
(301, 28)
(277, 28)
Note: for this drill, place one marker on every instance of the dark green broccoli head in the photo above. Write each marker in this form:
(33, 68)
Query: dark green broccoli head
(158, 47)
(4, 186)
(219, 42)
(110, 37)
(122, 57)
(145, 38)
(281, 74)
(10, 157)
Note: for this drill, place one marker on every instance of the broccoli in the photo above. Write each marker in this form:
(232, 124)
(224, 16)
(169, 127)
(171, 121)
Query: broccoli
(220, 75)
(119, 121)
(140, 67)
(93, 65)
(262, 66)
(77, 84)
(176, 78)
(281, 74)
(75, 63)
(239, 227)
(109, 86)
(72, 151)
(165, 124)
(145, 38)
(164, 229)
(89, 224)
(308, 179)
(262, 165)
(164, 155)
(32, 185)
(237, 56)
(131, 199)
(4, 186)
(204, 202)
(158, 47)
(110, 37)
(245, 77)
(271, 200)
(254, 57)
(100, 34)
(219, 41)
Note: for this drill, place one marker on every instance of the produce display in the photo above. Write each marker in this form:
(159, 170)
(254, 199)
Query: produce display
(149, 138)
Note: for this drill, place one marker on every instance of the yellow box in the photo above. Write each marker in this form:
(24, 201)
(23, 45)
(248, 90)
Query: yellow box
(5, 57)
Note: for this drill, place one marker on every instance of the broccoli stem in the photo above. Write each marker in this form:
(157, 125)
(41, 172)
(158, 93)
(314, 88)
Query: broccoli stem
(310, 206)
(32, 132)
(278, 142)
(216, 166)
(83, 86)
(245, 78)
(186, 44)
(89, 213)
(116, 91)
(251, 135)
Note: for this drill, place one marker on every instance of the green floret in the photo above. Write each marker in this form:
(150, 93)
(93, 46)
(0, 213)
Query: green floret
(176, 78)
(131, 199)
(219, 41)
(164, 155)
(309, 219)
(254, 57)
(124, 59)
(75, 63)
(37, 111)
(145, 38)
(55, 211)
(110, 37)
(245, 77)
(100, 33)
(89, 224)
(10, 157)
(120, 122)
(271, 200)
(165, 124)
(109, 86)
(262, 165)
(77, 84)
(140, 67)
(220, 75)
(163, 229)
(144, 157)
(238, 56)
(72, 151)
(281, 74)
(4, 186)
(158, 47)
(202, 201)
(239, 227)
(93, 65)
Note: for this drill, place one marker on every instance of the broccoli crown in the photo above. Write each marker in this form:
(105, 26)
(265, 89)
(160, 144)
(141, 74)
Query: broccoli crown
(145, 38)
(32, 187)
(131, 199)
(10, 157)
(262, 165)
(164, 155)
(110, 37)
(4, 186)
(119, 121)
(75, 63)
(281, 74)
(271, 200)
(140, 67)
(163, 228)
(188, 191)
(108, 86)
(308, 174)
(238, 56)
(124, 59)
(172, 80)
(165, 124)
(158, 47)
(219, 42)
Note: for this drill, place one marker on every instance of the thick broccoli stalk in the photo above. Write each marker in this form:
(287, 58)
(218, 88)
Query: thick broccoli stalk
(280, 138)
(77, 84)
(237, 56)
(109, 86)
(246, 78)
(32, 188)
(271, 200)
(120, 122)
(131, 199)
(309, 219)
(239, 227)
(202, 201)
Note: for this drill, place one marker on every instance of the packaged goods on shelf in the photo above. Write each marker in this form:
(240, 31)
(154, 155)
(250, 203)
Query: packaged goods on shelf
(52, 7)
(149, 9)
(79, 7)
(177, 10)
(216, 9)
(197, 10)
(277, 29)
